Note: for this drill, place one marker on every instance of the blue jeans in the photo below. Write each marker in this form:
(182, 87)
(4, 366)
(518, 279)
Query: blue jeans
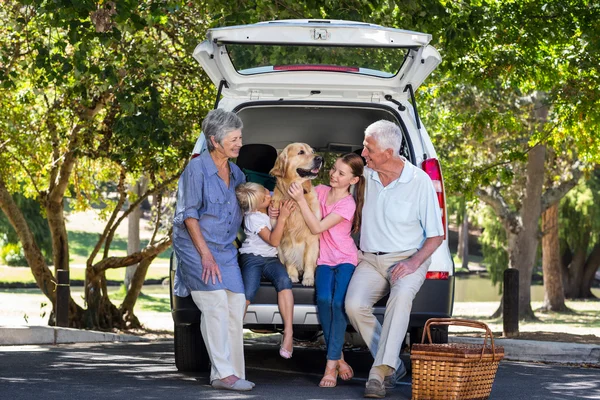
(331, 284)
(254, 267)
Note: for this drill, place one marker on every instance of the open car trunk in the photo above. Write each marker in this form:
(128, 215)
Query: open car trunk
(325, 128)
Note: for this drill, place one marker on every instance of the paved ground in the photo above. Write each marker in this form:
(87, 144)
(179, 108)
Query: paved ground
(147, 371)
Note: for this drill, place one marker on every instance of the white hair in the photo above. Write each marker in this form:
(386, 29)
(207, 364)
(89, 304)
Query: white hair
(218, 123)
(387, 135)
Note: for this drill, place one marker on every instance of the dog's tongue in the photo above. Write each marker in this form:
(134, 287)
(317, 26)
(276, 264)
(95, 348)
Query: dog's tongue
(315, 170)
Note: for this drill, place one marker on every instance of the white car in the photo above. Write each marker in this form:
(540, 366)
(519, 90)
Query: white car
(320, 82)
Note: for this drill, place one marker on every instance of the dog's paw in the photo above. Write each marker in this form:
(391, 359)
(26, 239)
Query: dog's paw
(308, 281)
(294, 279)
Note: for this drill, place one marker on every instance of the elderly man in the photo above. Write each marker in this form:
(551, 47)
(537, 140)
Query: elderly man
(401, 228)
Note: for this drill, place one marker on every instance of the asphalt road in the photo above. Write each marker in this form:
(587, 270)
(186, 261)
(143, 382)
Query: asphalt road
(147, 371)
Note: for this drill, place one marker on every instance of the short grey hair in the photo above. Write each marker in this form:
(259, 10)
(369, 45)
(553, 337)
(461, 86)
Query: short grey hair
(218, 123)
(387, 135)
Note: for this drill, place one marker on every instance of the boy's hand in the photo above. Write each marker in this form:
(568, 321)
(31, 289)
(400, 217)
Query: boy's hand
(286, 209)
(296, 192)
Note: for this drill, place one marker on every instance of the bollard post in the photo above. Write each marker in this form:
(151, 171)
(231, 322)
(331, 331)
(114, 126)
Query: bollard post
(63, 293)
(510, 311)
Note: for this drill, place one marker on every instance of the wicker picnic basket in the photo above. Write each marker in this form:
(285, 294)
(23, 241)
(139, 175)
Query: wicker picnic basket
(456, 371)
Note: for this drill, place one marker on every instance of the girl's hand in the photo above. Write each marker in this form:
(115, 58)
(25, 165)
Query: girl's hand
(286, 209)
(272, 212)
(296, 192)
(210, 270)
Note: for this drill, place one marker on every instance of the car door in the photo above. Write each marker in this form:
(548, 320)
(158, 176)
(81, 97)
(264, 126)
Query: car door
(294, 58)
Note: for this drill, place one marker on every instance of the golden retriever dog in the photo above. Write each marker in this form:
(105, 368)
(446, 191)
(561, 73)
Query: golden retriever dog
(299, 248)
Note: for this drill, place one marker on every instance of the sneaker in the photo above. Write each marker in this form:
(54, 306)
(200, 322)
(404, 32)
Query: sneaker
(390, 381)
(374, 389)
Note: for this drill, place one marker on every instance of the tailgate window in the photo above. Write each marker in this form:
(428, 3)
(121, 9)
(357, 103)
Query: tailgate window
(249, 59)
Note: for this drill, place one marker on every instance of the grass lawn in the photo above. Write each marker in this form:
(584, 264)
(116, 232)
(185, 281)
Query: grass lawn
(24, 275)
(82, 243)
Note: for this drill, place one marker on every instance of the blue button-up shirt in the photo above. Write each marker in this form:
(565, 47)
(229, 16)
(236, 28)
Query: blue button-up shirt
(203, 195)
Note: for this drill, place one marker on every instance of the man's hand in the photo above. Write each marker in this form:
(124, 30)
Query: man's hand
(403, 268)
(210, 269)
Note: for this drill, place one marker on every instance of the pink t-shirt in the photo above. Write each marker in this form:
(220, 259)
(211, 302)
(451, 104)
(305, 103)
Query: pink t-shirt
(336, 244)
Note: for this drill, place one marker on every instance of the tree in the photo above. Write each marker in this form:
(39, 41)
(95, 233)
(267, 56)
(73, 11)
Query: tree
(84, 89)
(554, 294)
(133, 230)
(518, 78)
(579, 238)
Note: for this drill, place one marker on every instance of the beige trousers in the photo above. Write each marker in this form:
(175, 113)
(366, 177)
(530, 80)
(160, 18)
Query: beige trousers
(222, 330)
(371, 282)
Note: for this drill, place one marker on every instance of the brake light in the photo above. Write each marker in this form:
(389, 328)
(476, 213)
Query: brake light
(437, 275)
(314, 67)
(431, 166)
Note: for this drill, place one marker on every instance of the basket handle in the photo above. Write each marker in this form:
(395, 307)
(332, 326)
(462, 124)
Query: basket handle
(461, 322)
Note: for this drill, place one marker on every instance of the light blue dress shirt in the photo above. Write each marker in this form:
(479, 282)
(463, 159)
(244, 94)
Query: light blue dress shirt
(203, 195)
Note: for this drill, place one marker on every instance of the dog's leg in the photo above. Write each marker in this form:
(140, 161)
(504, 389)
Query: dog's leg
(292, 272)
(293, 254)
(289, 267)
(311, 253)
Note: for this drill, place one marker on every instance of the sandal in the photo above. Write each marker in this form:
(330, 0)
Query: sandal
(329, 377)
(345, 370)
(283, 352)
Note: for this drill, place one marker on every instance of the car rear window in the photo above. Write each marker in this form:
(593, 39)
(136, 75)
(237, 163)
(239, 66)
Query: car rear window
(249, 59)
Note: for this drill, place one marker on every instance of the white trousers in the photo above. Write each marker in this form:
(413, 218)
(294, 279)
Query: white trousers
(370, 282)
(221, 325)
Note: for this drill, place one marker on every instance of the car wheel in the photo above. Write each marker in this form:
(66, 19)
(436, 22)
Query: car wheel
(439, 334)
(190, 350)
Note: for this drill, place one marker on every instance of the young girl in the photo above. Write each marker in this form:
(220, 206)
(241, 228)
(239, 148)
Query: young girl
(338, 254)
(258, 254)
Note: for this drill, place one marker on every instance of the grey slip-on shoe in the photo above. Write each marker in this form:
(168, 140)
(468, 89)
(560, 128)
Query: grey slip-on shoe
(374, 389)
(390, 381)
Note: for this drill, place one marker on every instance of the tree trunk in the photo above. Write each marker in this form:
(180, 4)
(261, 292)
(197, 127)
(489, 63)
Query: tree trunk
(575, 272)
(35, 259)
(133, 232)
(554, 295)
(133, 293)
(524, 242)
(58, 231)
(463, 239)
(589, 271)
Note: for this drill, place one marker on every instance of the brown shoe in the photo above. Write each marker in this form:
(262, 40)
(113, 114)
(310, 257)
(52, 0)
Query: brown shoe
(374, 389)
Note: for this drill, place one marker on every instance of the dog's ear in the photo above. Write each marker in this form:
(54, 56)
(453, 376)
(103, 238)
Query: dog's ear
(279, 168)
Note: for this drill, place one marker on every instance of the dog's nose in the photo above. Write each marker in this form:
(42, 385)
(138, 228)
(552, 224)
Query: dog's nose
(319, 159)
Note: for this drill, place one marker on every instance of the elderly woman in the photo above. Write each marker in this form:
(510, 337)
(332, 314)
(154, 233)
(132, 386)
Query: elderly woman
(205, 226)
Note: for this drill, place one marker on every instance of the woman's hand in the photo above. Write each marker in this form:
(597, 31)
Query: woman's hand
(296, 192)
(210, 269)
(286, 209)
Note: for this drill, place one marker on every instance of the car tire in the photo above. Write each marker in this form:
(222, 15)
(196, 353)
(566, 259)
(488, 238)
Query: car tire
(190, 350)
(439, 335)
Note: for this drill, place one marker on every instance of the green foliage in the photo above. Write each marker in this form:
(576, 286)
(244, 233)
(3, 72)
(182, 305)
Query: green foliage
(37, 223)
(580, 214)
(12, 255)
(493, 246)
